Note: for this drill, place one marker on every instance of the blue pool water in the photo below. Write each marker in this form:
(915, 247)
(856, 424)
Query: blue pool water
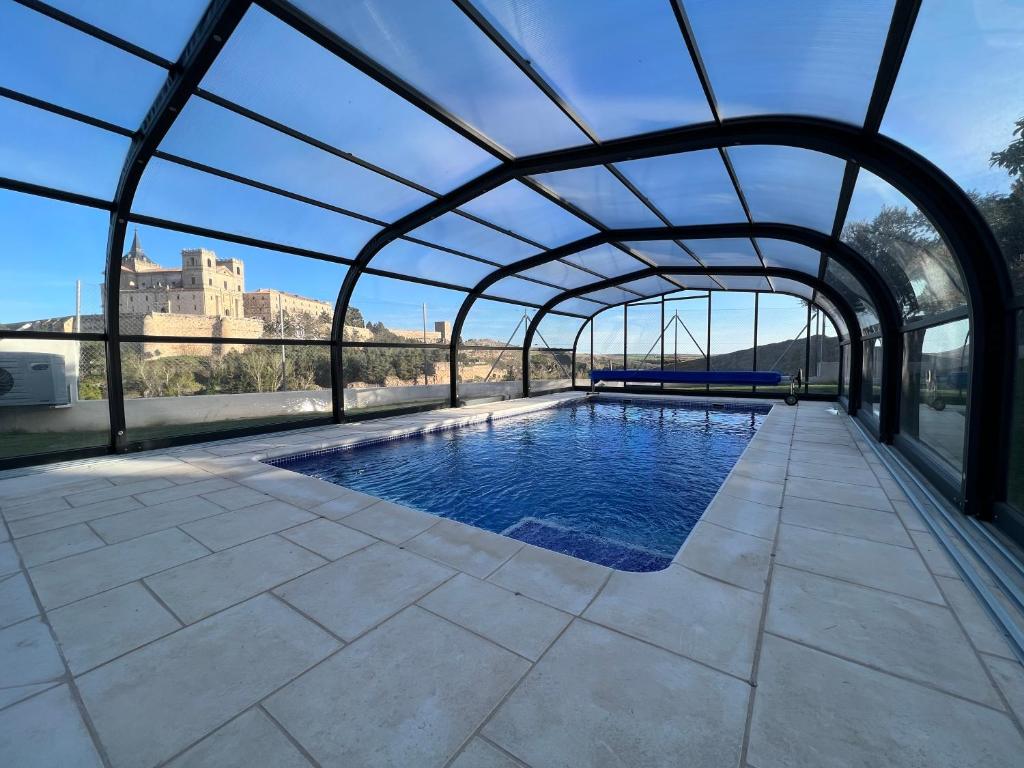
(617, 483)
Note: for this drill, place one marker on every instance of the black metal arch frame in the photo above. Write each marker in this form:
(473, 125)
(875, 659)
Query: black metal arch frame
(951, 211)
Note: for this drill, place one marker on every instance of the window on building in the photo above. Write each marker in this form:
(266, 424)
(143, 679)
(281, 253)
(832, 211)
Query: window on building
(238, 270)
(209, 263)
(211, 281)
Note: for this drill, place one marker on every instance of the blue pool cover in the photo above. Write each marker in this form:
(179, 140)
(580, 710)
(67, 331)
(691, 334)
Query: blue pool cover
(753, 378)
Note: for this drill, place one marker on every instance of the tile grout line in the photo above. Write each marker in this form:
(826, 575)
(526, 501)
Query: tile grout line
(67, 679)
(759, 643)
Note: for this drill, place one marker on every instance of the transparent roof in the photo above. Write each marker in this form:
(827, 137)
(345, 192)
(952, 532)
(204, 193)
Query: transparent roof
(441, 141)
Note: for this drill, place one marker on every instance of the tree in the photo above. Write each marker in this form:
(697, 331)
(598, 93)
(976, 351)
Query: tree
(1005, 213)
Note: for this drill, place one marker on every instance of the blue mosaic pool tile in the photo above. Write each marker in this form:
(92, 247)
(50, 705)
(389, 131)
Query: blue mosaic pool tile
(614, 554)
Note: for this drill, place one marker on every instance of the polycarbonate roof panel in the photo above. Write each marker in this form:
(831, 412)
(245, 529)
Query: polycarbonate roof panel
(791, 56)
(158, 26)
(952, 103)
(43, 148)
(407, 258)
(837, 276)
(606, 260)
(560, 273)
(596, 191)
(786, 285)
(833, 312)
(651, 286)
(898, 240)
(174, 192)
(437, 49)
(664, 253)
(225, 140)
(743, 282)
(623, 66)
(789, 185)
(517, 208)
(268, 67)
(725, 252)
(698, 282)
(613, 295)
(689, 188)
(785, 254)
(522, 290)
(462, 234)
(43, 58)
(579, 306)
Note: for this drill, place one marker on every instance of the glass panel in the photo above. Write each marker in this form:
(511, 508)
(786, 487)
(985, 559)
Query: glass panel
(725, 252)
(435, 47)
(379, 379)
(462, 234)
(833, 313)
(823, 364)
(486, 375)
(732, 332)
(275, 71)
(743, 282)
(56, 398)
(52, 280)
(689, 188)
(871, 388)
(160, 27)
(686, 336)
(177, 284)
(496, 324)
(1015, 489)
(199, 388)
(225, 140)
(550, 371)
(606, 260)
(43, 148)
(588, 53)
(596, 191)
(651, 286)
(781, 337)
(560, 273)
(558, 331)
(850, 289)
(407, 258)
(643, 337)
(789, 185)
(385, 310)
(584, 359)
(523, 290)
(957, 102)
(519, 209)
(937, 372)
(783, 285)
(785, 254)
(791, 56)
(580, 307)
(663, 253)
(174, 192)
(51, 61)
(609, 338)
(614, 295)
(897, 239)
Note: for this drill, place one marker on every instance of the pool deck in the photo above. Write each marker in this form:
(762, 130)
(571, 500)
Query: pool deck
(194, 607)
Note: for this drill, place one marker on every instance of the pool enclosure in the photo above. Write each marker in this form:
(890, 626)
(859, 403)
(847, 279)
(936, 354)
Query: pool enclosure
(243, 216)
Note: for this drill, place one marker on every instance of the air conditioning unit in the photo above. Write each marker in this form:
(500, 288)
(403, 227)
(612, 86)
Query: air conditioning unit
(32, 378)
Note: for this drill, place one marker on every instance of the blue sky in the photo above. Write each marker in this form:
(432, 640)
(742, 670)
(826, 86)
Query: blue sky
(621, 65)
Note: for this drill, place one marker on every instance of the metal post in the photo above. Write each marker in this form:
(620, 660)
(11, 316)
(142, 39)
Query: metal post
(757, 316)
(807, 350)
(662, 335)
(625, 336)
(284, 362)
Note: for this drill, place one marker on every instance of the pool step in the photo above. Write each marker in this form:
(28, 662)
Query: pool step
(586, 546)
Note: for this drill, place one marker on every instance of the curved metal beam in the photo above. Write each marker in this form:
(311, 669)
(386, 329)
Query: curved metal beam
(819, 285)
(216, 25)
(844, 254)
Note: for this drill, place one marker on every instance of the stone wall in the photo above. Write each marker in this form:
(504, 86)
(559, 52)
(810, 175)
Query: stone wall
(190, 325)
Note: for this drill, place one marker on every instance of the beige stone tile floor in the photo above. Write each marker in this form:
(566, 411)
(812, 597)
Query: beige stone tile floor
(195, 607)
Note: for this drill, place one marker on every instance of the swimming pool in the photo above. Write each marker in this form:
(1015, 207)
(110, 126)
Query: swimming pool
(614, 482)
